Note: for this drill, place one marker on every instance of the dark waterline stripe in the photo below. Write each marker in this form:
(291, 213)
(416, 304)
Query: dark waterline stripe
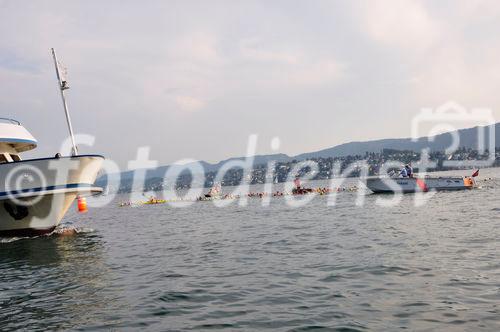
(31, 190)
(26, 232)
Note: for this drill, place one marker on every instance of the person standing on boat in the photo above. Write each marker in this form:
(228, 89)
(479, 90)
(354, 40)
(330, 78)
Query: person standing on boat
(409, 171)
(403, 172)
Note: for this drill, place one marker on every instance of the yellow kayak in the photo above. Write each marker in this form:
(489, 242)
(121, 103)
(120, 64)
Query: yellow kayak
(156, 201)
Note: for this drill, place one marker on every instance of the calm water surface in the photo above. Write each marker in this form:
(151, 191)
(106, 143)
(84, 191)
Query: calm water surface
(345, 268)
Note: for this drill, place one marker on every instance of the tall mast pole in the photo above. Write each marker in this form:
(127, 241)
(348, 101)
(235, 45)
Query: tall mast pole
(63, 86)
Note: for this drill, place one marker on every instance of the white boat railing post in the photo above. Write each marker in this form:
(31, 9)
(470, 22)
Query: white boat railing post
(63, 86)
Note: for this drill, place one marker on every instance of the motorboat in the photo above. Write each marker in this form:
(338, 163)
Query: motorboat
(388, 184)
(35, 194)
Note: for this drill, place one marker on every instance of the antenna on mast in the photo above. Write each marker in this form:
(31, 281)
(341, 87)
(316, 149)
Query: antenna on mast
(63, 85)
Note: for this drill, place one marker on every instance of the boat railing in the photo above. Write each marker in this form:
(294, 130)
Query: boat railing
(12, 121)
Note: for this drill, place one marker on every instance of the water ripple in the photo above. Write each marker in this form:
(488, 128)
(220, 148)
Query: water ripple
(317, 268)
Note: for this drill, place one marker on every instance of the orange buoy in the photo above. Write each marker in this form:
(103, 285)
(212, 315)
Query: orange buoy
(468, 182)
(82, 204)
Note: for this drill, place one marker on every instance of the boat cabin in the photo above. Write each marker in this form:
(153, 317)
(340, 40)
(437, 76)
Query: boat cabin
(14, 139)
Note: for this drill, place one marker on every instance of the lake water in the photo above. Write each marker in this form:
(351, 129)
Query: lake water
(318, 267)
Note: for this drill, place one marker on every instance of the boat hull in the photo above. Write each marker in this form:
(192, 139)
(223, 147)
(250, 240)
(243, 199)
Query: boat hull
(412, 185)
(37, 205)
(26, 232)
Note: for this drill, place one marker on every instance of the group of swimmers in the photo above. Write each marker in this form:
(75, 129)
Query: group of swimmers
(217, 196)
(296, 191)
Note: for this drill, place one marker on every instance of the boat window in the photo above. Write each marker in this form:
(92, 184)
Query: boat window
(15, 157)
(3, 159)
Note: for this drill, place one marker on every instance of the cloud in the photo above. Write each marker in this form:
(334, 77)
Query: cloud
(252, 49)
(263, 67)
(443, 52)
(196, 47)
(290, 67)
(404, 23)
(189, 103)
(320, 72)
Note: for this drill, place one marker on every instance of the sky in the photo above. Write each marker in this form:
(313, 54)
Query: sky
(193, 79)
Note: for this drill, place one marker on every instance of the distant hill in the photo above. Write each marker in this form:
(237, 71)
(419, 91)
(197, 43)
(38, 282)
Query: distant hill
(160, 171)
(468, 139)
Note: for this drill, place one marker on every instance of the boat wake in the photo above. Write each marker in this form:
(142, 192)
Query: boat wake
(59, 231)
(70, 230)
(10, 239)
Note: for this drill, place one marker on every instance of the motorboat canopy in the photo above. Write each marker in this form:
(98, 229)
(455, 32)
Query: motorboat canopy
(14, 139)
